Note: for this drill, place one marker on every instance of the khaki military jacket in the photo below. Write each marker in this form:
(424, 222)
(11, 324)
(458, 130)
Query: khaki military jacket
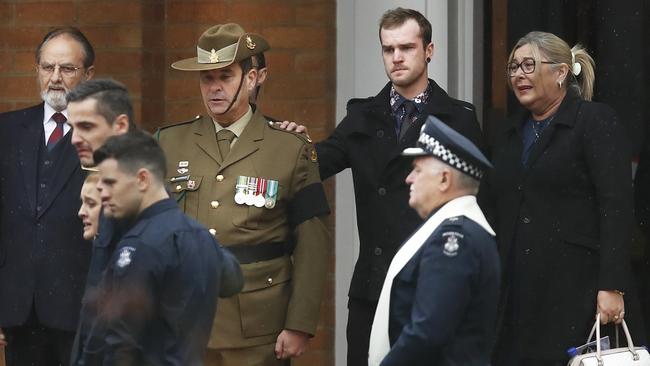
(280, 293)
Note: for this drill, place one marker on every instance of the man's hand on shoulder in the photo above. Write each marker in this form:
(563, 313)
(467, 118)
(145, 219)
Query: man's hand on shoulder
(292, 127)
(291, 343)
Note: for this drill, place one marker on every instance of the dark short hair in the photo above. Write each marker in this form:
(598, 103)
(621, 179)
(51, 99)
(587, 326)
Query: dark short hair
(398, 16)
(112, 98)
(74, 33)
(134, 150)
(259, 61)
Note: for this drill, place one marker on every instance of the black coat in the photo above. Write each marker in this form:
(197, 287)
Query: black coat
(563, 224)
(443, 303)
(365, 141)
(43, 257)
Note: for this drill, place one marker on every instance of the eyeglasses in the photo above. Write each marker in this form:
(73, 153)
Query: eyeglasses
(65, 70)
(527, 65)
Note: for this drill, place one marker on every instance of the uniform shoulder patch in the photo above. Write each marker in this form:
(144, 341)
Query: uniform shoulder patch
(453, 242)
(172, 124)
(125, 257)
(276, 126)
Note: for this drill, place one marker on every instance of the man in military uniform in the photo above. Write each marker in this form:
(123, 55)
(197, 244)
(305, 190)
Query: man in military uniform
(159, 291)
(259, 191)
(439, 300)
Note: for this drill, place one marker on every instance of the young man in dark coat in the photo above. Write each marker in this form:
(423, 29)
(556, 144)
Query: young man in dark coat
(369, 141)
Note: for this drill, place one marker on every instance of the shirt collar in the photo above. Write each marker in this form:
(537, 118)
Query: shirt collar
(48, 112)
(420, 100)
(239, 125)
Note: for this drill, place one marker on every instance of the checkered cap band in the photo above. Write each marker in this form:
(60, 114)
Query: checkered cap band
(437, 149)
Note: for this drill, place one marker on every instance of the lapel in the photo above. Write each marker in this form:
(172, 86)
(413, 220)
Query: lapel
(207, 138)
(565, 116)
(27, 147)
(248, 142)
(65, 166)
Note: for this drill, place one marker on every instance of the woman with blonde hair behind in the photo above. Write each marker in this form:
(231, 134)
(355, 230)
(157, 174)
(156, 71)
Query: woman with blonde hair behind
(91, 206)
(561, 198)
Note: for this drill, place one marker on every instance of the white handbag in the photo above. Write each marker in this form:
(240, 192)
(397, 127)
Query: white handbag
(623, 356)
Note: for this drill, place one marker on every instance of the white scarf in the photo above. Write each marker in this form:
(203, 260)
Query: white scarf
(461, 206)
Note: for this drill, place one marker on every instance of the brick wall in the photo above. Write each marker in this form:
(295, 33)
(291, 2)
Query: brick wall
(137, 40)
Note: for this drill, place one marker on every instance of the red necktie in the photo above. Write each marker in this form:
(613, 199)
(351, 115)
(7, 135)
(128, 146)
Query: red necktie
(58, 131)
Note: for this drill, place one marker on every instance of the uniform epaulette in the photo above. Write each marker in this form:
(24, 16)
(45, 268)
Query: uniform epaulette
(180, 123)
(301, 136)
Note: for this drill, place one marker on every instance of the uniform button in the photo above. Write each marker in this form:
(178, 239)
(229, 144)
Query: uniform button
(214, 204)
(47, 162)
(39, 208)
(179, 187)
(520, 187)
(213, 232)
(380, 133)
(525, 220)
(381, 191)
(43, 185)
(219, 178)
(378, 251)
(269, 281)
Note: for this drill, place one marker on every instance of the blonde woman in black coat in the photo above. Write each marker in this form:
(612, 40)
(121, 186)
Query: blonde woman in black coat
(560, 195)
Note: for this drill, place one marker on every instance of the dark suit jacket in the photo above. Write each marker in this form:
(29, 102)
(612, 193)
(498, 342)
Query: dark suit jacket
(563, 224)
(365, 141)
(43, 257)
(443, 303)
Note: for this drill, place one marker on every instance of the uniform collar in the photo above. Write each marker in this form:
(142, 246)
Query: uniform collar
(239, 125)
(156, 208)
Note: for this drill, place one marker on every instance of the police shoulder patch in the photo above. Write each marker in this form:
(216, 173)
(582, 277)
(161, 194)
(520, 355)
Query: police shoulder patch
(452, 244)
(125, 257)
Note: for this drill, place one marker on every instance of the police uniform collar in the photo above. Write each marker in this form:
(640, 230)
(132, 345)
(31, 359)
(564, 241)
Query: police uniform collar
(157, 208)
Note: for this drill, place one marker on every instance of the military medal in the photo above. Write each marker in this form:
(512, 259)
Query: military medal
(240, 188)
(250, 192)
(191, 184)
(271, 193)
(259, 195)
(182, 170)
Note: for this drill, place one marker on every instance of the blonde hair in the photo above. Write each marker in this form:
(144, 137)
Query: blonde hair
(557, 51)
(92, 177)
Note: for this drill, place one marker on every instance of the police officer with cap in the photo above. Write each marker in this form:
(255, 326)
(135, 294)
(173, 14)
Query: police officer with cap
(259, 192)
(439, 300)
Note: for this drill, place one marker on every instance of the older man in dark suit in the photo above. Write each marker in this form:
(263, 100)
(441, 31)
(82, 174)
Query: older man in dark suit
(43, 257)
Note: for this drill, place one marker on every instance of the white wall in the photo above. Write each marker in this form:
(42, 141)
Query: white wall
(360, 74)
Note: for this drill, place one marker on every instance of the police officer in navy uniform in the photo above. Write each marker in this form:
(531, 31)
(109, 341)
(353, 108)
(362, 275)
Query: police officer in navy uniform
(160, 288)
(439, 300)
